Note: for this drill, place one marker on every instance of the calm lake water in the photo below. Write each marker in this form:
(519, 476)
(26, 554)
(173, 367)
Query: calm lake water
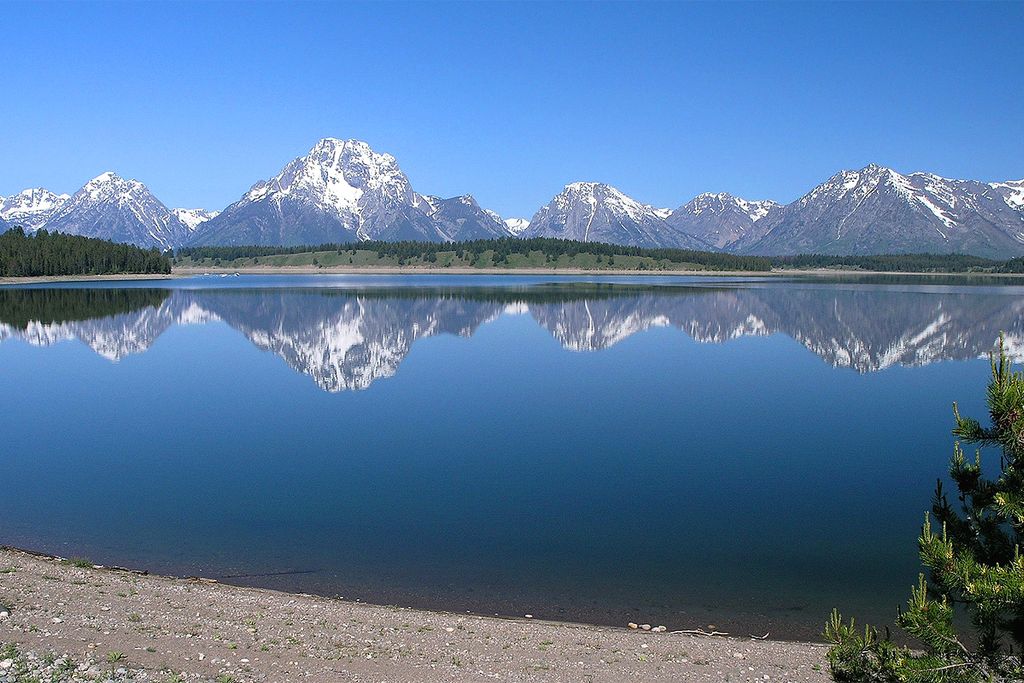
(746, 453)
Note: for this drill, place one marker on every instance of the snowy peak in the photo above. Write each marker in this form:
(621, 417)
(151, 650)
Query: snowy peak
(723, 220)
(858, 185)
(935, 197)
(513, 226)
(462, 218)
(516, 226)
(30, 208)
(721, 202)
(878, 210)
(111, 207)
(340, 191)
(596, 212)
(110, 187)
(334, 176)
(193, 218)
(601, 197)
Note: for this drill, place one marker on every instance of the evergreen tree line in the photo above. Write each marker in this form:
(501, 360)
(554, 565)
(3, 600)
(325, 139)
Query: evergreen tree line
(500, 249)
(555, 248)
(895, 263)
(46, 253)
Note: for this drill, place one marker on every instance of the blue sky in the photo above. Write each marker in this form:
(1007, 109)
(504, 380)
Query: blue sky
(509, 102)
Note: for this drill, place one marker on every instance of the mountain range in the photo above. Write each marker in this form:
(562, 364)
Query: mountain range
(344, 191)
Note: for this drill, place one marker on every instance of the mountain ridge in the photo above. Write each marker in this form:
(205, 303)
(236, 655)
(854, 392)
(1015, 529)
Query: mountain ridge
(344, 191)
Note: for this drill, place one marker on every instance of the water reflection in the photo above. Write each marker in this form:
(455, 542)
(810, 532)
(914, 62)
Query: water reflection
(345, 339)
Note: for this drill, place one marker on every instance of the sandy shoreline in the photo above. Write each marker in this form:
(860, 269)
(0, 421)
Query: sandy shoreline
(207, 629)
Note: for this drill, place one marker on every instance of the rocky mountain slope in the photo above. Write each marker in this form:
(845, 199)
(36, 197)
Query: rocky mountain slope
(461, 218)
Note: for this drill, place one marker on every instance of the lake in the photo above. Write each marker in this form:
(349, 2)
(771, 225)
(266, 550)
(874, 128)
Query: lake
(739, 452)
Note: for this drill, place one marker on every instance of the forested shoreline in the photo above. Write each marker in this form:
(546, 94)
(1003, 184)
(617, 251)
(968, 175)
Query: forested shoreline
(496, 253)
(54, 254)
(555, 253)
(894, 263)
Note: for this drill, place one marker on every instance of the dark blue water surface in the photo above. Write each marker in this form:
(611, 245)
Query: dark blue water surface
(746, 453)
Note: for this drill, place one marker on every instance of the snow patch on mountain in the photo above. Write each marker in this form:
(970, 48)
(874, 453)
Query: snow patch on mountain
(755, 210)
(1012, 192)
(517, 226)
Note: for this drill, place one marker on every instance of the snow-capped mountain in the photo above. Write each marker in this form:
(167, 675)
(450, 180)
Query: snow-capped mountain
(595, 212)
(344, 191)
(1012, 192)
(341, 191)
(30, 208)
(513, 226)
(724, 221)
(461, 218)
(876, 210)
(112, 208)
(516, 226)
(192, 218)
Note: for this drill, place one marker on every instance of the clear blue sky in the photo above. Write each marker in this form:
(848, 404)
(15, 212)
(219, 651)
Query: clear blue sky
(511, 101)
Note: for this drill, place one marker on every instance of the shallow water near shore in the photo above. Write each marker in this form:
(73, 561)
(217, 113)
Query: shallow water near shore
(742, 452)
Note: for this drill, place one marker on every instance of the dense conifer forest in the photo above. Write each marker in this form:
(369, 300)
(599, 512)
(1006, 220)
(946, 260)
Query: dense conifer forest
(497, 253)
(46, 253)
(540, 252)
(892, 263)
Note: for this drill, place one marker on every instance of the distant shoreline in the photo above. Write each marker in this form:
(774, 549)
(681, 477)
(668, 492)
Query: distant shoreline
(191, 271)
(430, 270)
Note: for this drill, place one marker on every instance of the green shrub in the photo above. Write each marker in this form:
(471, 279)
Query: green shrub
(974, 564)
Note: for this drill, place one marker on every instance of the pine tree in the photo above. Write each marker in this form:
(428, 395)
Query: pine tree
(973, 557)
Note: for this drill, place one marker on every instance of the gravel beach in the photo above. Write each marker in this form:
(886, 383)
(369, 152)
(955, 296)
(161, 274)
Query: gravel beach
(71, 621)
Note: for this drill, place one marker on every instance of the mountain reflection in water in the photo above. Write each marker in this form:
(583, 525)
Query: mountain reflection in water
(345, 339)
